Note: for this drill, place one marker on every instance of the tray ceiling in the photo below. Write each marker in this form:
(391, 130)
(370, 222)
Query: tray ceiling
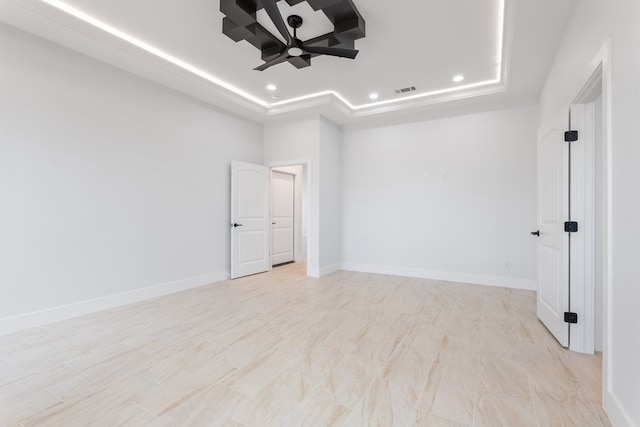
(408, 43)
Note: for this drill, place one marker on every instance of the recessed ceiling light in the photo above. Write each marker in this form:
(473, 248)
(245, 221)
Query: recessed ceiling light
(275, 97)
(374, 96)
(272, 87)
(458, 78)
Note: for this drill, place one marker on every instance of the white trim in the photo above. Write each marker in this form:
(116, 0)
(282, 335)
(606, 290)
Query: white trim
(56, 26)
(329, 269)
(509, 9)
(592, 88)
(435, 97)
(55, 314)
(602, 64)
(323, 271)
(449, 276)
(354, 111)
(616, 413)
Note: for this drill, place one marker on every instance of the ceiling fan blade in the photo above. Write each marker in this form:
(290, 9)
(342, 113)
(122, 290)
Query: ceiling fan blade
(275, 61)
(272, 10)
(333, 51)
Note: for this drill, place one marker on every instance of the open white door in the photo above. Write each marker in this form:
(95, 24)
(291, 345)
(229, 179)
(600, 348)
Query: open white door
(249, 219)
(581, 243)
(553, 211)
(282, 217)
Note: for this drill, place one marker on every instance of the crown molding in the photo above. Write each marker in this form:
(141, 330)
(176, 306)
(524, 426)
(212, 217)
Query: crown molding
(43, 20)
(58, 26)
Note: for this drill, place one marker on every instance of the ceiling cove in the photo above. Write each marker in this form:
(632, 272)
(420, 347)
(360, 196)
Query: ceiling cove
(222, 90)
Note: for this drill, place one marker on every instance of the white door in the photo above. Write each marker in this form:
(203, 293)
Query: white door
(249, 219)
(553, 242)
(282, 217)
(581, 243)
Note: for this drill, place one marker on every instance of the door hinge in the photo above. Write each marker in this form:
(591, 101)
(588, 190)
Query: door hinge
(570, 317)
(571, 227)
(571, 136)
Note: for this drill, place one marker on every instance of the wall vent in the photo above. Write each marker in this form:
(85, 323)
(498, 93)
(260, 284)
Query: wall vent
(406, 89)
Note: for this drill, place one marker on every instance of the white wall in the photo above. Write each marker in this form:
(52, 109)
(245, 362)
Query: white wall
(296, 142)
(593, 21)
(315, 142)
(450, 199)
(330, 196)
(109, 184)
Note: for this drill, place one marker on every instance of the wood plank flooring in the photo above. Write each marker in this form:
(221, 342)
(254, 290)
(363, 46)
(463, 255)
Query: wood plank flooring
(281, 349)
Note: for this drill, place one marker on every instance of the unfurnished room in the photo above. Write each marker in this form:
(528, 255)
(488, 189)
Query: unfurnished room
(319, 213)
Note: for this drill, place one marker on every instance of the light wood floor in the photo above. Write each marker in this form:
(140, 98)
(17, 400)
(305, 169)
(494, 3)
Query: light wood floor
(281, 349)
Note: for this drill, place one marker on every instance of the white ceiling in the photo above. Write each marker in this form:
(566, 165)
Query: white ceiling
(500, 46)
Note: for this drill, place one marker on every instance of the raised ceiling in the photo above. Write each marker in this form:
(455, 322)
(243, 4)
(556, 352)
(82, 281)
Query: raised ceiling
(500, 46)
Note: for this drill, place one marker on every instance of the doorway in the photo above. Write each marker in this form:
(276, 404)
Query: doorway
(593, 257)
(252, 222)
(569, 223)
(594, 93)
(288, 214)
(282, 217)
(573, 206)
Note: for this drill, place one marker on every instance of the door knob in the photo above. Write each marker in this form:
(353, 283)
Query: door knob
(235, 224)
(535, 233)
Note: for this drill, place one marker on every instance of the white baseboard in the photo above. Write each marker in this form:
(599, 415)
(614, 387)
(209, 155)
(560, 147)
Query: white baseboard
(476, 279)
(323, 271)
(616, 413)
(55, 314)
(329, 269)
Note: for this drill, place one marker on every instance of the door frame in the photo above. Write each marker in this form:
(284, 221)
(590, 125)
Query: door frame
(313, 248)
(273, 170)
(597, 80)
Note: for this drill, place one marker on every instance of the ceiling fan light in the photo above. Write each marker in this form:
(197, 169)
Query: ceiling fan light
(295, 51)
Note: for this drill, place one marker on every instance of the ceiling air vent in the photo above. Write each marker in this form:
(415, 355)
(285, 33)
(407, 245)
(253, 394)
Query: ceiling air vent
(406, 89)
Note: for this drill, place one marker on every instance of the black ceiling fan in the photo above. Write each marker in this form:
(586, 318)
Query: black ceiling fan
(294, 46)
